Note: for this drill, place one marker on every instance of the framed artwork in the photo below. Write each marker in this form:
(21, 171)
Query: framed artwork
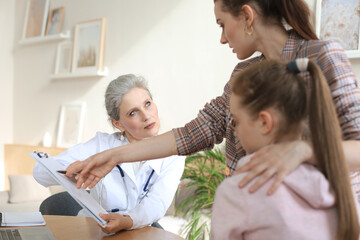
(63, 57)
(88, 46)
(35, 18)
(71, 123)
(340, 20)
(55, 20)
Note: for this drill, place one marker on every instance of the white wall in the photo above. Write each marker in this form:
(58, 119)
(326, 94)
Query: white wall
(7, 18)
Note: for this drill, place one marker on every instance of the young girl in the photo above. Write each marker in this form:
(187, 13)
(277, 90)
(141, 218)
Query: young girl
(270, 102)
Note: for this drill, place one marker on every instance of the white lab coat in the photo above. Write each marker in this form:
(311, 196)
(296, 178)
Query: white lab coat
(125, 197)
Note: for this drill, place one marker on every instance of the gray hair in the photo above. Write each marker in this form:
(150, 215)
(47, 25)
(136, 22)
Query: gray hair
(116, 90)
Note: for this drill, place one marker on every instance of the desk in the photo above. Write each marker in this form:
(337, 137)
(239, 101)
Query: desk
(66, 227)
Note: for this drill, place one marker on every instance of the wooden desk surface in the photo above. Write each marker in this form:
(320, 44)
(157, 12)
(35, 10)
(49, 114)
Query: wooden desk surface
(66, 227)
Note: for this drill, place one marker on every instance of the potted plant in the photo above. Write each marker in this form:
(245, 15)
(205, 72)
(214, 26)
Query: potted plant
(204, 172)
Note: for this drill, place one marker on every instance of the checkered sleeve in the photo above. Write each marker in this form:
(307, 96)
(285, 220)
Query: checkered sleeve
(344, 87)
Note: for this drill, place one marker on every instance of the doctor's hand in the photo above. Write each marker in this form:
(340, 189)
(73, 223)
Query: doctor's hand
(92, 170)
(276, 160)
(116, 222)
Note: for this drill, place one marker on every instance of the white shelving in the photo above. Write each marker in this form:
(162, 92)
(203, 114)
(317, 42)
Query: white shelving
(60, 37)
(103, 73)
(42, 39)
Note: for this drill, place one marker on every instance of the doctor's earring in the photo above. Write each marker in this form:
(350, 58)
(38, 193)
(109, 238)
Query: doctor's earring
(122, 138)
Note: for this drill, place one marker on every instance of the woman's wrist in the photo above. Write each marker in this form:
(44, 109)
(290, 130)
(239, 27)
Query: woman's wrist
(115, 154)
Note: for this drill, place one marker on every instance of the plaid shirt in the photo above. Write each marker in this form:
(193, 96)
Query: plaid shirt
(213, 121)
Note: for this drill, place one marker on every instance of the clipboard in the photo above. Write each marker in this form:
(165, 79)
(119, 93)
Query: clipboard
(80, 195)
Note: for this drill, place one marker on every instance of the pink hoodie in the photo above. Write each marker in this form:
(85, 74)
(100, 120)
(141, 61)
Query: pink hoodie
(301, 208)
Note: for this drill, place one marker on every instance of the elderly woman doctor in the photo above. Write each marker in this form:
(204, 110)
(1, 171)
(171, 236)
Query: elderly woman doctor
(135, 194)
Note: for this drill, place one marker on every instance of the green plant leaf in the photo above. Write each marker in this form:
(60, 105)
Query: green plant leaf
(205, 171)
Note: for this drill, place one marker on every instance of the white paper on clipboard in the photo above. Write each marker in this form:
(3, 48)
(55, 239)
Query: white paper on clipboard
(80, 195)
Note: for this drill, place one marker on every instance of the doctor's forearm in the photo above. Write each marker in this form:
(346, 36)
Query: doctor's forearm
(160, 146)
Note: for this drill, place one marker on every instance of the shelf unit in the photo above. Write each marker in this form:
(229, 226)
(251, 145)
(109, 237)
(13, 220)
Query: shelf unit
(60, 37)
(44, 39)
(103, 73)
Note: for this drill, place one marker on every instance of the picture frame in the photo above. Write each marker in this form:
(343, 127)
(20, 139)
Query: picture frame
(71, 124)
(339, 20)
(35, 18)
(63, 57)
(88, 46)
(55, 20)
